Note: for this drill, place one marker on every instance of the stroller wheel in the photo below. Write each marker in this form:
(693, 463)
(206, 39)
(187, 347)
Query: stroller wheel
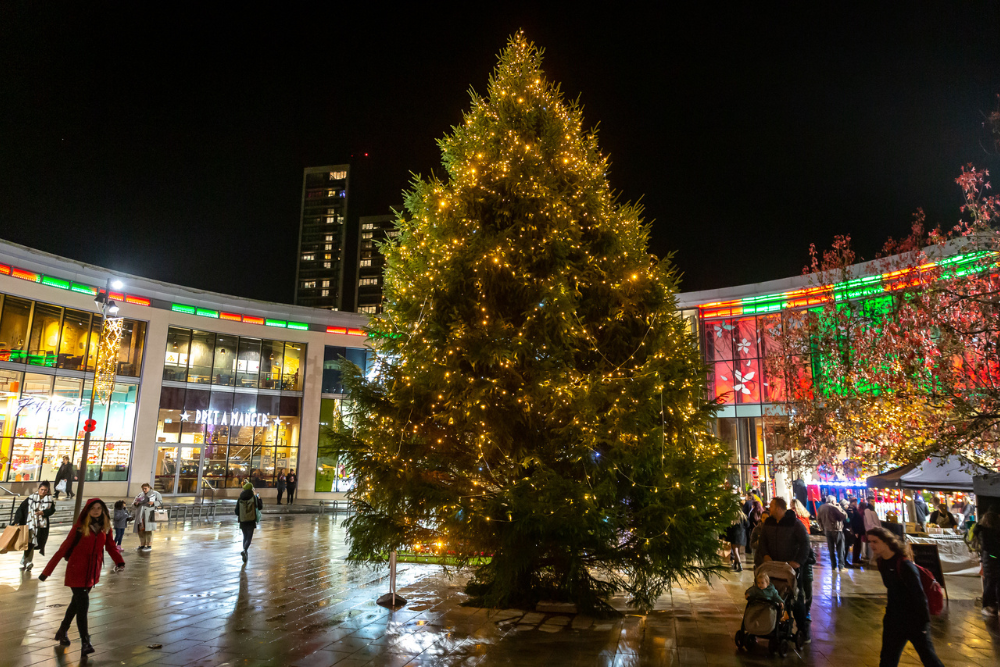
(800, 640)
(739, 639)
(783, 648)
(750, 641)
(772, 646)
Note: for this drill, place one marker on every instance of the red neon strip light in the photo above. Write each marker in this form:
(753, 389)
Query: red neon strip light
(355, 332)
(24, 275)
(116, 296)
(232, 317)
(253, 320)
(4, 269)
(136, 300)
(336, 330)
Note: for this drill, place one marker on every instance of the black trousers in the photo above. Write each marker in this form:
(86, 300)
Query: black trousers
(991, 582)
(291, 494)
(281, 491)
(247, 527)
(894, 638)
(78, 607)
(858, 544)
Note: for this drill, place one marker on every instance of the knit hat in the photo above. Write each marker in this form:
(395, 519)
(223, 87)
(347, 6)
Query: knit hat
(247, 485)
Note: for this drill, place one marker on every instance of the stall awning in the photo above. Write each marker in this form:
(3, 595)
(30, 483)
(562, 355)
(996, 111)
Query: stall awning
(953, 473)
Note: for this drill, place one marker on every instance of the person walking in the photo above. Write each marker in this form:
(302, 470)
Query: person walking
(34, 512)
(986, 537)
(65, 474)
(736, 535)
(784, 538)
(291, 481)
(120, 520)
(83, 550)
(831, 520)
(856, 514)
(281, 484)
(801, 513)
(145, 504)
(871, 522)
(754, 542)
(907, 617)
(247, 508)
(922, 511)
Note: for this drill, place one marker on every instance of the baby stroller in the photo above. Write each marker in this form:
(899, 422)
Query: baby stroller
(762, 618)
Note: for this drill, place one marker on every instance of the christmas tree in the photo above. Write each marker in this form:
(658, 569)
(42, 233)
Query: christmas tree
(536, 397)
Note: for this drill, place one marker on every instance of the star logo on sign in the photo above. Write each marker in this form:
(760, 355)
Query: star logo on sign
(277, 421)
(185, 415)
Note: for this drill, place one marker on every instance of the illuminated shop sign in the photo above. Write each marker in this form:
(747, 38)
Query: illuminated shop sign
(224, 418)
(43, 404)
(338, 175)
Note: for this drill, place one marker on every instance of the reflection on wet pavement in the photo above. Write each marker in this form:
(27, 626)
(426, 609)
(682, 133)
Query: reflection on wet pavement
(298, 603)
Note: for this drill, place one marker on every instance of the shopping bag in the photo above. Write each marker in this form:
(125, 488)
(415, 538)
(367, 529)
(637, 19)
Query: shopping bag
(160, 515)
(8, 538)
(61, 486)
(23, 538)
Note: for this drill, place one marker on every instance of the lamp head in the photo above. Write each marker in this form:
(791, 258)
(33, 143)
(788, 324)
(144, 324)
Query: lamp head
(112, 308)
(117, 284)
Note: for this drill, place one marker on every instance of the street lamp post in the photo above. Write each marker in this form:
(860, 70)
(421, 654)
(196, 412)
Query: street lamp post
(106, 305)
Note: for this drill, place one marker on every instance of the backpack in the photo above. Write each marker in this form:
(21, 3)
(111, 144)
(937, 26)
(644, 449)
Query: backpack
(932, 589)
(248, 510)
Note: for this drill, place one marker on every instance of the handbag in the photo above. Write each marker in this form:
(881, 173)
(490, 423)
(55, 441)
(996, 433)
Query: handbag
(15, 538)
(159, 515)
(61, 486)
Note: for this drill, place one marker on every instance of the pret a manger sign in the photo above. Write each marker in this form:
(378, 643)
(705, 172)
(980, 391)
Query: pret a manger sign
(224, 418)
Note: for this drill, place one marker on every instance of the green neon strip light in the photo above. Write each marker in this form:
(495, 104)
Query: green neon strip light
(205, 312)
(84, 289)
(55, 282)
(276, 323)
(181, 308)
(298, 325)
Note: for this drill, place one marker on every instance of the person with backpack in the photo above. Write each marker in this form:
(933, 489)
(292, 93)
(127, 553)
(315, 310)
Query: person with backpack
(912, 596)
(248, 513)
(83, 550)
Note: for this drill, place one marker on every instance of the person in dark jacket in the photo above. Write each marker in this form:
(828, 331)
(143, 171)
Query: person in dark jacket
(831, 519)
(291, 482)
(83, 550)
(120, 521)
(922, 510)
(907, 617)
(784, 538)
(986, 536)
(736, 535)
(249, 500)
(281, 484)
(856, 517)
(65, 472)
(34, 512)
(943, 518)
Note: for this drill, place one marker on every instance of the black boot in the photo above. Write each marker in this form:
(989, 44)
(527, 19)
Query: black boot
(85, 647)
(62, 638)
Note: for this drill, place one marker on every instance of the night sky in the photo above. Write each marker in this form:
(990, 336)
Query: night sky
(171, 144)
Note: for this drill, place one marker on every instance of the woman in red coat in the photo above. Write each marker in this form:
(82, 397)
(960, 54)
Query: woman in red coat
(83, 550)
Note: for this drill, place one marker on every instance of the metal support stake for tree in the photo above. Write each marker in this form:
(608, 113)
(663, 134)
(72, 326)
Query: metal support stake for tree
(108, 330)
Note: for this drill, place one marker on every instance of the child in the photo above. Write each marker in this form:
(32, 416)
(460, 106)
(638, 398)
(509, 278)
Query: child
(120, 521)
(763, 590)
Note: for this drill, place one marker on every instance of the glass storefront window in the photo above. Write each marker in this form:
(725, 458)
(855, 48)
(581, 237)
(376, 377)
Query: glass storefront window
(168, 424)
(43, 345)
(225, 360)
(175, 361)
(114, 465)
(26, 460)
(215, 465)
(239, 465)
(55, 450)
(291, 378)
(202, 354)
(327, 458)
(14, 329)
(73, 342)
(130, 351)
(272, 352)
(10, 391)
(242, 435)
(195, 401)
(96, 322)
(100, 412)
(222, 402)
(121, 412)
(32, 419)
(332, 356)
(94, 452)
(264, 435)
(248, 363)
(66, 393)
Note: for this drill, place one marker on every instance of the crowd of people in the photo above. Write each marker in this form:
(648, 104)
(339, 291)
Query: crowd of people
(855, 537)
(98, 530)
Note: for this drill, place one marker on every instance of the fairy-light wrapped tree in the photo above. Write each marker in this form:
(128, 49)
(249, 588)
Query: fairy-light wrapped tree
(535, 396)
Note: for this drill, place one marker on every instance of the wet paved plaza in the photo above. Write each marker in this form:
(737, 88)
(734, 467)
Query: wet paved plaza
(298, 603)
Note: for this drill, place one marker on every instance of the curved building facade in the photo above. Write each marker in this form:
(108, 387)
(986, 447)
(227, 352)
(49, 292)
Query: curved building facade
(209, 388)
